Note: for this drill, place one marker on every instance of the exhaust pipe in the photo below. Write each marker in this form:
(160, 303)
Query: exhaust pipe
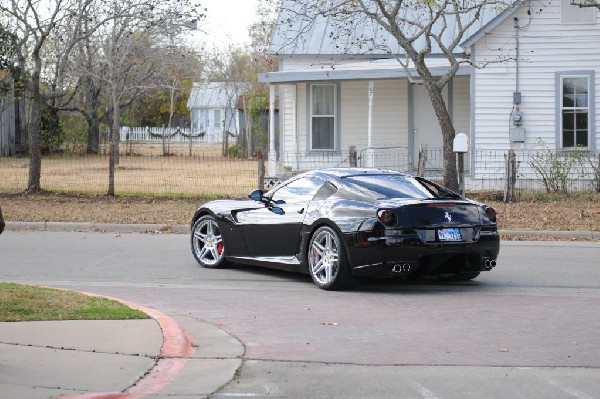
(488, 263)
(402, 268)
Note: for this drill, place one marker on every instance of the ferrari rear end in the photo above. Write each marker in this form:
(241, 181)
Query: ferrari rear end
(426, 237)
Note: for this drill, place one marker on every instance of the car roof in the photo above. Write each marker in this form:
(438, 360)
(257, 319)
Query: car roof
(341, 173)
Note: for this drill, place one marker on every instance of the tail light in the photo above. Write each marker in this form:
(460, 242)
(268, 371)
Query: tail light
(386, 217)
(490, 213)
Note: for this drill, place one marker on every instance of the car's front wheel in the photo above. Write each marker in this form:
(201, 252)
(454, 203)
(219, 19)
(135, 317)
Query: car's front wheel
(208, 246)
(327, 260)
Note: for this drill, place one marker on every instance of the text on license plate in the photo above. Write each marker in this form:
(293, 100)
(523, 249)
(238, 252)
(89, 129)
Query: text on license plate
(449, 234)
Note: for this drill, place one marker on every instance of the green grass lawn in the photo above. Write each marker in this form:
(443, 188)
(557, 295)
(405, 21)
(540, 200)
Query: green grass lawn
(31, 303)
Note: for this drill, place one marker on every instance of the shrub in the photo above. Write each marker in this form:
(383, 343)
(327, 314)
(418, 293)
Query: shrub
(555, 168)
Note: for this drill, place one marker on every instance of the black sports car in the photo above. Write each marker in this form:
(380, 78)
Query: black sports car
(340, 224)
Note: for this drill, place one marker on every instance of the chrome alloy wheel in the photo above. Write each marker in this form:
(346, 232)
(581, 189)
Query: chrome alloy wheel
(207, 242)
(323, 257)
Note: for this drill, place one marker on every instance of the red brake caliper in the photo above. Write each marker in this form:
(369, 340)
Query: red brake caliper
(220, 247)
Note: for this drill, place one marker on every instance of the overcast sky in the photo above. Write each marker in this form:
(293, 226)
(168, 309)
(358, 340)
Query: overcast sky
(227, 21)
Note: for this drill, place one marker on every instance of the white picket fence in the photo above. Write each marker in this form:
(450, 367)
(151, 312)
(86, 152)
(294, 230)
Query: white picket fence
(174, 135)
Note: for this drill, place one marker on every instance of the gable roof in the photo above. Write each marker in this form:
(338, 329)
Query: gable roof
(491, 24)
(215, 94)
(299, 33)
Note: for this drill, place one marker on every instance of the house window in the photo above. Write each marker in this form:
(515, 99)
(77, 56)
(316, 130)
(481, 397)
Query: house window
(322, 116)
(571, 13)
(575, 109)
(217, 120)
(199, 120)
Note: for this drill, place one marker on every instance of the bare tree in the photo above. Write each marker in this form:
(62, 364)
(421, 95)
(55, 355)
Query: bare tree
(182, 67)
(134, 62)
(36, 25)
(240, 66)
(120, 53)
(586, 3)
(419, 28)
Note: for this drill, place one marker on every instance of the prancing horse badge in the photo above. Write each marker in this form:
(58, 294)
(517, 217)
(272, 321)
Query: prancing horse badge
(448, 216)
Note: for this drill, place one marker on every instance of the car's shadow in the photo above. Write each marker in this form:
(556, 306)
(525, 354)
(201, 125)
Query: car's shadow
(366, 284)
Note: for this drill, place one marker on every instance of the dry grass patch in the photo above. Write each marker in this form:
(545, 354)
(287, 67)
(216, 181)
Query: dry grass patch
(535, 212)
(540, 211)
(49, 207)
(145, 173)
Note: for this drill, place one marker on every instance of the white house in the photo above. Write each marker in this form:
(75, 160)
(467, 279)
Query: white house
(213, 110)
(550, 85)
(535, 61)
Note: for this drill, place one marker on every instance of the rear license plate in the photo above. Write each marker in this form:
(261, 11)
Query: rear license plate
(449, 234)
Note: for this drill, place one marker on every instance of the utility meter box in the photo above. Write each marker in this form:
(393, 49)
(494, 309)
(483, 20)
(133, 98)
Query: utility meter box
(517, 134)
(461, 143)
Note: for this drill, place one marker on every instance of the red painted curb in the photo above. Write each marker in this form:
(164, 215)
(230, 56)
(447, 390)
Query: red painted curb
(174, 354)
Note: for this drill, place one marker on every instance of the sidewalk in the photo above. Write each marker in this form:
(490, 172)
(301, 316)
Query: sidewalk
(152, 358)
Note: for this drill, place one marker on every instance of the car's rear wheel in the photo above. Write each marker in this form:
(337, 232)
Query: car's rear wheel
(208, 246)
(327, 260)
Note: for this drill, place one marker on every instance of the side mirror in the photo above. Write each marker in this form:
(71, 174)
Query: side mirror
(256, 195)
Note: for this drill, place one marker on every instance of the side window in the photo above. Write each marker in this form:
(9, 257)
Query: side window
(200, 119)
(217, 121)
(574, 111)
(322, 116)
(300, 190)
(326, 191)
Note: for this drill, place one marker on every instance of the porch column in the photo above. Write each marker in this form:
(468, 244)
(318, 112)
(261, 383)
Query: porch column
(272, 151)
(370, 154)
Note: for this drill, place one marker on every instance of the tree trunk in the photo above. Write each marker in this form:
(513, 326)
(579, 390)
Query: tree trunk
(35, 124)
(113, 158)
(448, 132)
(94, 118)
(249, 138)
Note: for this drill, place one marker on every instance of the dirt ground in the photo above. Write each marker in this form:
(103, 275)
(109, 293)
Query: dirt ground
(559, 213)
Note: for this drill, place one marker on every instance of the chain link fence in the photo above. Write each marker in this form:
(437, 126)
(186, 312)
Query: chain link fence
(205, 172)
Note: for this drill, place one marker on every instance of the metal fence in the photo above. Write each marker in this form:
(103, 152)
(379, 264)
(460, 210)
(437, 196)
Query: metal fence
(203, 174)
(484, 169)
(203, 171)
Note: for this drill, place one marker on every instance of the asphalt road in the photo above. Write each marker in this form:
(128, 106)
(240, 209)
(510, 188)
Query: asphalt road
(529, 328)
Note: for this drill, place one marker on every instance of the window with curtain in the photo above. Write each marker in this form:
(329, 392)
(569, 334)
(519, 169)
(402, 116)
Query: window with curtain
(575, 111)
(323, 105)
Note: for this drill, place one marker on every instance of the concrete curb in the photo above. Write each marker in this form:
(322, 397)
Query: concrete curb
(185, 229)
(589, 235)
(98, 227)
(174, 354)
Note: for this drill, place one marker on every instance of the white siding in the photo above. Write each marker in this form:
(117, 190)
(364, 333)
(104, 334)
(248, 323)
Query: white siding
(288, 118)
(461, 106)
(390, 122)
(546, 47)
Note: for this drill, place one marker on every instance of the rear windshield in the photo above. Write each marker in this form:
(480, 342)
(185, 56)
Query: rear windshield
(389, 186)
